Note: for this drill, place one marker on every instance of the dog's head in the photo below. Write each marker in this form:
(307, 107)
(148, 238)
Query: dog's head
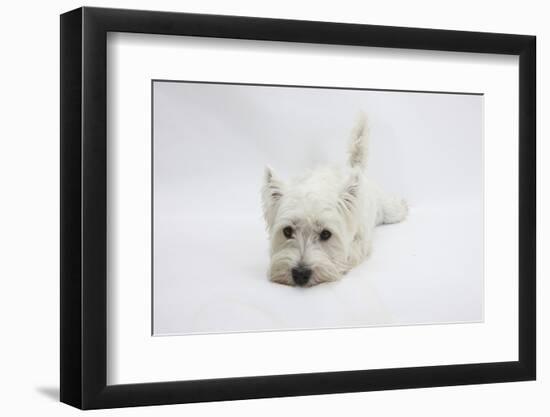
(311, 224)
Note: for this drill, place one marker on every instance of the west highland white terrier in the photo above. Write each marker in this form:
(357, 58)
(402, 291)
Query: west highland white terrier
(321, 224)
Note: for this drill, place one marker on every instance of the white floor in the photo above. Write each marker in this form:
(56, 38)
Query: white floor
(424, 270)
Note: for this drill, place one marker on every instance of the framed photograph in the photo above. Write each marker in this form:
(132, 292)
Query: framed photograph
(256, 208)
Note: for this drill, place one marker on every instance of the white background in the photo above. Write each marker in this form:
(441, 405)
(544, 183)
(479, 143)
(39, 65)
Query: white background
(211, 143)
(30, 266)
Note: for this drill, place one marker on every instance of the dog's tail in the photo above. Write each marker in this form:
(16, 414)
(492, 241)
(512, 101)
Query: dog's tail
(358, 148)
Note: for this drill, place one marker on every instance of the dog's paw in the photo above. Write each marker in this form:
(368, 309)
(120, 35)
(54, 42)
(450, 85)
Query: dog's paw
(395, 210)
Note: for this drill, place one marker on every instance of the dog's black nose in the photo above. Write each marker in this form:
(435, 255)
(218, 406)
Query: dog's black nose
(301, 275)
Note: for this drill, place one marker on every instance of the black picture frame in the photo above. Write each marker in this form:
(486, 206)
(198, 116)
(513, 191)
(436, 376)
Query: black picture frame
(84, 207)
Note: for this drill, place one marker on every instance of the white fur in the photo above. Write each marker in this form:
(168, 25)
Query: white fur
(341, 200)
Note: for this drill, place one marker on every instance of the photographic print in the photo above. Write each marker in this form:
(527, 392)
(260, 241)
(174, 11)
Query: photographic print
(288, 207)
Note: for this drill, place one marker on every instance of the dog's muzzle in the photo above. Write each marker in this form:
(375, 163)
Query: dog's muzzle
(301, 275)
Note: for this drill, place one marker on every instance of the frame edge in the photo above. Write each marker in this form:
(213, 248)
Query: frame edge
(527, 270)
(71, 376)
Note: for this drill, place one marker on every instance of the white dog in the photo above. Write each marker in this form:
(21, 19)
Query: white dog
(321, 224)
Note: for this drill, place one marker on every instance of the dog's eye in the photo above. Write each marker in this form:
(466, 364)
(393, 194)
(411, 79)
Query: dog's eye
(287, 231)
(325, 235)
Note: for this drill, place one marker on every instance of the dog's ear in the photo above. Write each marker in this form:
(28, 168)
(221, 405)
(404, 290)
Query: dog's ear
(272, 191)
(351, 190)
